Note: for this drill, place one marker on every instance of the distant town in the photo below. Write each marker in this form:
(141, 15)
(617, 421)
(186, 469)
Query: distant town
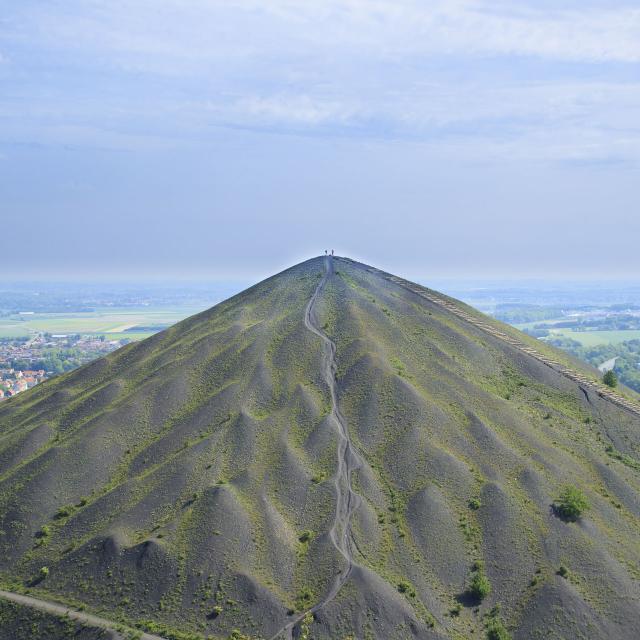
(26, 362)
(50, 328)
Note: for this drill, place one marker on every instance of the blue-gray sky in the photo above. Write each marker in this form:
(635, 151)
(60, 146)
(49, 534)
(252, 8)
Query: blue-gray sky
(231, 138)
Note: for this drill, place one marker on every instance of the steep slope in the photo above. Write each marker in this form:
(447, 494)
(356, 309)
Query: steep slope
(334, 440)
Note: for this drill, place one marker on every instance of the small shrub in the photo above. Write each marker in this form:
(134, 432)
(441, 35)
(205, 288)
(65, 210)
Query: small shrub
(478, 565)
(305, 536)
(44, 572)
(479, 586)
(475, 504)
(571, 504)
(563, 572)
(305, 627)
(454, 612)
(63, 512)
(610, 379)
(44, 532)
(496, 630)
(406, 587)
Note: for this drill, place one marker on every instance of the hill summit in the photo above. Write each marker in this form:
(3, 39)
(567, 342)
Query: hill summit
(333, 453)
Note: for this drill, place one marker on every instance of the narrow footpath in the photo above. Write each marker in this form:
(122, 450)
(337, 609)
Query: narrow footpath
(62, 610)
(347, 501)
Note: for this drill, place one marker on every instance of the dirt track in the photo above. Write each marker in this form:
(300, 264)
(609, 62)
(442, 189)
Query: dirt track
(347, 501)
(62, 610)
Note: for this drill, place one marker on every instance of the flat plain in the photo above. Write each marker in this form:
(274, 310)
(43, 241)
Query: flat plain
(104, 321)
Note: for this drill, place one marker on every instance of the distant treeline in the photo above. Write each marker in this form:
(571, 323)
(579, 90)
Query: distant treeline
(521, 313)
(55, 360)
(627, 353)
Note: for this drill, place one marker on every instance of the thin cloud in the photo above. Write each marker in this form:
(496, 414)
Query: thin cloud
(401, 69)
(293, 108)
(189, 32)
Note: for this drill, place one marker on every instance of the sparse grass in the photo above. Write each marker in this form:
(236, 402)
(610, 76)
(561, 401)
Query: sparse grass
(475, 504)
(495, 630)
(153, 626)
(406, 588)
(625, 459)
(305, 536)
(63, 512)
(303, 599)
(253, 414)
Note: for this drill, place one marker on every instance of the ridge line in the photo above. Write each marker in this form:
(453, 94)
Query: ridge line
(571, 374)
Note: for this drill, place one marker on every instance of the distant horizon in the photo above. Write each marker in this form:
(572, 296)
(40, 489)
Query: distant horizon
(136, 277)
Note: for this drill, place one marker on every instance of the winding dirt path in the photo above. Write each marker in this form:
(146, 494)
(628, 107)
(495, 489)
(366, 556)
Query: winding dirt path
(62, 610)
(347, 501)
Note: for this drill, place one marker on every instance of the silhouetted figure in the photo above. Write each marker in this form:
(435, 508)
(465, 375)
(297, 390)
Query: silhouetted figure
(325, 252)
(331, 251)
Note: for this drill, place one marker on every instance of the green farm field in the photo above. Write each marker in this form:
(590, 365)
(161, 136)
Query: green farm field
(113, 323)
(593, 338)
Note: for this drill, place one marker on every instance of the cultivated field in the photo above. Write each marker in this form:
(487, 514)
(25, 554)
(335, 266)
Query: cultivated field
(113, 323)
(593, 338)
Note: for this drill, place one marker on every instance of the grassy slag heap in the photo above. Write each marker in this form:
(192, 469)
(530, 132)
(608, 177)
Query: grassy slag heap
(185, 483)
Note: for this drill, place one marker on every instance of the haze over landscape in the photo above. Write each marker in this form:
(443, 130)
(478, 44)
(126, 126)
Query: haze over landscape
(319, 320)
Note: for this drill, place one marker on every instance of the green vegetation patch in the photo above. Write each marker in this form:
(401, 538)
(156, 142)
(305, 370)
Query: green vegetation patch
(19, 622)
(153, 626)
(571, 503)
(494, 626)
(479, 586)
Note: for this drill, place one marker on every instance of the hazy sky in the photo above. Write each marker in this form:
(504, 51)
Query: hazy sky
(232, 138)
